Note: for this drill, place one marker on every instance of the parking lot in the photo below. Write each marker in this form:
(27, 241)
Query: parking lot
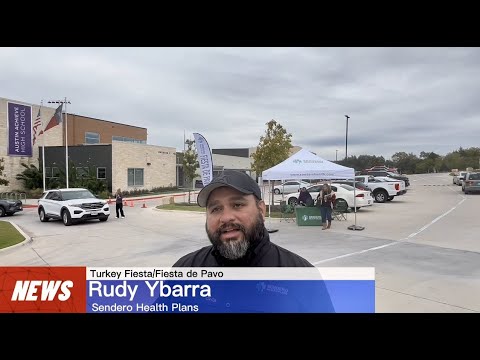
(424, 245)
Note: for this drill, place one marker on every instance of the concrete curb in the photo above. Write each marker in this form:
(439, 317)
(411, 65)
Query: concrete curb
(27, 239)
(130, 199)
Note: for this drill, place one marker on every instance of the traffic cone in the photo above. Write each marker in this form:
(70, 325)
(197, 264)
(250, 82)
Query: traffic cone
(144, 206)
(125, 203)
(131, 203)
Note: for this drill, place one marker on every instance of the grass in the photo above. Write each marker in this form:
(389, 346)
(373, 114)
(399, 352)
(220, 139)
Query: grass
(9, 235)
(181, 206)
(195, 207)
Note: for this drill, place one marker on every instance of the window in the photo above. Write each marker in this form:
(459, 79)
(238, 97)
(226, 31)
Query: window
(92, 138)
(55, 172)
(135, 177)
(101, 173)
(82, 172)
(53, 195)
(48, 172)
(127, 139)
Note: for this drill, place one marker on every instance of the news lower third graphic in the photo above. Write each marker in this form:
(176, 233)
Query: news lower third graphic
(186, 290)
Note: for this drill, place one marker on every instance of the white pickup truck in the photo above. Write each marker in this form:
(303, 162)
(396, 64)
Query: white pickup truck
(383, 190)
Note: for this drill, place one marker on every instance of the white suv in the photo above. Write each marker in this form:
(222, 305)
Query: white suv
(72, 205)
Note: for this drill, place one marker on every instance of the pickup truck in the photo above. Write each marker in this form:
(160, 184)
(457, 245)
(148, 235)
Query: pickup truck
(403, 188)
(389, 174)
(382, 190)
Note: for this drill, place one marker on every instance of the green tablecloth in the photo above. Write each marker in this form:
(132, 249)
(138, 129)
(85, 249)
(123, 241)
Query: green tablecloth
(308, 216)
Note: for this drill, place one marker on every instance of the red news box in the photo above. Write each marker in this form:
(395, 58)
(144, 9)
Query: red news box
(43, 289)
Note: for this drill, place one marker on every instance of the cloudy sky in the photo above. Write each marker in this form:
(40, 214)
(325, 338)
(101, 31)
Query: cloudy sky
(398, 99)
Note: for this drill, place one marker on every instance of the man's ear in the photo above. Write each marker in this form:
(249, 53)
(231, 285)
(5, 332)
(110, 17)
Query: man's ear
(263, 208)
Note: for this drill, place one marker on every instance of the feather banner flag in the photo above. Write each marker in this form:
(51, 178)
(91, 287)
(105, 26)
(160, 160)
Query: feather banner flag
(204, 158)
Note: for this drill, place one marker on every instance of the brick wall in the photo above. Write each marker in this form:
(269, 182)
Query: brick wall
(160, 173)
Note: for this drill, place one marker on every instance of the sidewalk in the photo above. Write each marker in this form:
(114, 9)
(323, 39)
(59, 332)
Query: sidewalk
(33, 203)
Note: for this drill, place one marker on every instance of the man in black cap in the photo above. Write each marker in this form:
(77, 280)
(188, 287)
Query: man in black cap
(235, 225)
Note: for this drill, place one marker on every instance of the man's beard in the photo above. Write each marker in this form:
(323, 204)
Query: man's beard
(236, 249)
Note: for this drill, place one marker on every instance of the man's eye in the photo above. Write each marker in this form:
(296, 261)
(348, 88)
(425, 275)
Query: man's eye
(215, 209)
(238, 205)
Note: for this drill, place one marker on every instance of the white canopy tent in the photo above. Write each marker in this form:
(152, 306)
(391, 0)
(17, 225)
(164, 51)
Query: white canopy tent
(306, 165)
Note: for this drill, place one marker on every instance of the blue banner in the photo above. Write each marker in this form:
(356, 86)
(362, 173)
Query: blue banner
(231, 296)
(19, 129)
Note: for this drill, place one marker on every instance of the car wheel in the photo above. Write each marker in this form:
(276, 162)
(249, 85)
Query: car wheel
(381, 196)
(67, 219)
(292, 201)
(276, 191)
(42, 216)
(2, 211)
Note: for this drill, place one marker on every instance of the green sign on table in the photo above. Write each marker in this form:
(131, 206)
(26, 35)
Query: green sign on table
(308, 216)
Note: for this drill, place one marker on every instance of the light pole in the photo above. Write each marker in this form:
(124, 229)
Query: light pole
(346, 139)
(336, 155)
(65, 102)
(355, 226)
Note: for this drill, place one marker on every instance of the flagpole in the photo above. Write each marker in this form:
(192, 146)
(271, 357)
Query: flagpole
(66, 140)
(43, 152)
(65, 101)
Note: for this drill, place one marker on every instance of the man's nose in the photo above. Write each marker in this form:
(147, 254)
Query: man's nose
(228, 215)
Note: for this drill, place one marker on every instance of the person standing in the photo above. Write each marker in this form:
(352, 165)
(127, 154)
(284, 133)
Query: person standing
(119, 204)
(326, 201)
(235, 226)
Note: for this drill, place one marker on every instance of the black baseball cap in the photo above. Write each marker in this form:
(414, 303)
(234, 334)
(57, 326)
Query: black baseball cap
(235, 179)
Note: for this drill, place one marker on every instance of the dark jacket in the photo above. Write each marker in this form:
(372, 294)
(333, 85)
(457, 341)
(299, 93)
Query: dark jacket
(263, 253)
(119, 198)
(305, 198)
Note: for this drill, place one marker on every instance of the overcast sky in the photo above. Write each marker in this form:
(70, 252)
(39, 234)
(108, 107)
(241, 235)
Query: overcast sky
(398, 99)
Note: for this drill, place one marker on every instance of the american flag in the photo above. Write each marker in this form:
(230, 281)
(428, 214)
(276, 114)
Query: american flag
(36, 125)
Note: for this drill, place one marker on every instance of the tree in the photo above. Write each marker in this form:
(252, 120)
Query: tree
(2, 167)
(190, 164)
(32, 177)
(405, 162)
(273, 148)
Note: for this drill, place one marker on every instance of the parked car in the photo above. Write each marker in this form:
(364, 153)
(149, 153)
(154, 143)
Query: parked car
(290, 187)
(457, 179)
(391, 175)
(342, 191)
(71, 206)
(10, 207)
(471, 182)
(360, 185)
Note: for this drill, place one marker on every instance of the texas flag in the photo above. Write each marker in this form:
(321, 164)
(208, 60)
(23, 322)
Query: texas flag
(56, 118)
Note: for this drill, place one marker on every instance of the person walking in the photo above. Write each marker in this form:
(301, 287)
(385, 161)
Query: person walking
(119, 204)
